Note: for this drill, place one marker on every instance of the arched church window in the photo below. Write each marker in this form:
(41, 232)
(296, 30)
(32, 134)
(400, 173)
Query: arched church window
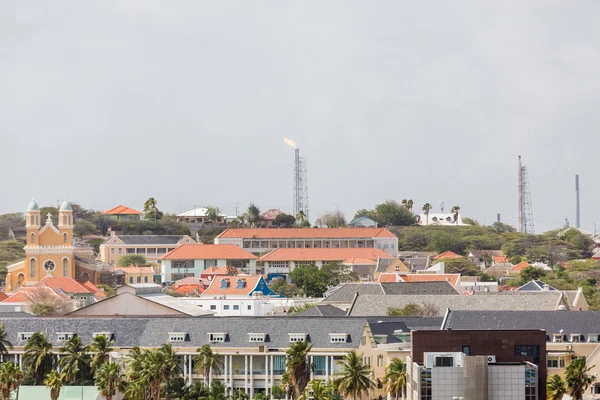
(20, 279)
(37, 219)
(64, 219)
(32, 238)
(70, 220)
(65, 266)
(85, 277)
(32, 267)
(65, 238)
(31, 220)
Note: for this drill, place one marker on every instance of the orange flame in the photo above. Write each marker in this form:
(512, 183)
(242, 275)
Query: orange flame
(289, 142)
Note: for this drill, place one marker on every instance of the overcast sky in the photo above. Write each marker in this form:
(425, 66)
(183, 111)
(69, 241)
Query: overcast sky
(111, 102)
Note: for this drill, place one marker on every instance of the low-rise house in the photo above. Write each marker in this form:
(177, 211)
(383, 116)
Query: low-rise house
(446, 255)
(191, 260)
(134, 274)
(21, 299)
(483, 258)
(199, 216)
(267, 217)
(122, 213)
(242, 286)
(499, 270)
(247, 306)
(568, 299)
(363, 222)
(282, 261)
(322, 310)
(263, 240)
(83, 293)
(153, 247)
(516, 269)
(440, 219)
(416, 260)
(212, 272)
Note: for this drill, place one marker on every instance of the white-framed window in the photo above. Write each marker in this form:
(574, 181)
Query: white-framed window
(216, 337)
(555, 363)
(297, 337)
(278, 264)
(256, 337)
(226, 307)
(177, 336)
(120, 250)
(112, 251)
(558, 337)
(236, 307)
(213, 306)
(338, 337)
(380, 360)
(367, 361)
(575, 338)
(107, 335)
(593, 338)
(25, 336)
(64, 336)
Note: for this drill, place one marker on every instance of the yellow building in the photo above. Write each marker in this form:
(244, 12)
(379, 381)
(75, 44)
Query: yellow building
(137, 274)
(49, 250)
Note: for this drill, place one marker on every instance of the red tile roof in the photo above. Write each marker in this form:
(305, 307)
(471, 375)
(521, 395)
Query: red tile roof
(324, 254)
(121, 210)
(359, 261)
(26, 294)
(99, 294)
(452, 278)
(520, 266)
(215, 286)
(66, 284)
(3, 296)
(306, 233)
(500, 260)
(209, 252)
(388, 277)
(188, 289)
(446, 254)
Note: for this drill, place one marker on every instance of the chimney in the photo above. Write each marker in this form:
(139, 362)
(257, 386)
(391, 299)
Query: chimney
(545, 287)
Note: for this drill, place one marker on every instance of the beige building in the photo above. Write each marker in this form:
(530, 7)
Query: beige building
(153, 247)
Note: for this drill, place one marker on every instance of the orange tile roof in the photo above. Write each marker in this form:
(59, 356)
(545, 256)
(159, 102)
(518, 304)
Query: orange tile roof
(209, 252)
(3, 296)
(189, 289)
(66, 284)
(306, 233)
(520, 266)
(500, 260)
(359, 261)
(135, 270)
(387, 277)
(121, 210)
(25, 294)
(215, 286)
(452, 278)
(446, 254)
(97, 292)
(324, 254)
(190, 280)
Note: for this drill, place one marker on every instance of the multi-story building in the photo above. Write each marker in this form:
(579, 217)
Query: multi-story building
(263, 240)
(252, 350)
(153, 247)
(190, 260)
(477, 365)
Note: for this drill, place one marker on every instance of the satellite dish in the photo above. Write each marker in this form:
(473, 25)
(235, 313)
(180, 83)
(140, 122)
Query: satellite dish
(561, 331)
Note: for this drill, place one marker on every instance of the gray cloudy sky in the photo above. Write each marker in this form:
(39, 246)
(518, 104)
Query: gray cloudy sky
(111, 102)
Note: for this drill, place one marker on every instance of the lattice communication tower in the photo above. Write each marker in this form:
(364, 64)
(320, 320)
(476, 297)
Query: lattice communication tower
(526, 223)
(300, 185)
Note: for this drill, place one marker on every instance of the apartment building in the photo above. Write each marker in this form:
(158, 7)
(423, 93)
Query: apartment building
(263, 240)
(252, 349)
(153, 247)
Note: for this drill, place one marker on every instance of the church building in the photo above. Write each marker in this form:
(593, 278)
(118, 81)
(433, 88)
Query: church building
(50, 250)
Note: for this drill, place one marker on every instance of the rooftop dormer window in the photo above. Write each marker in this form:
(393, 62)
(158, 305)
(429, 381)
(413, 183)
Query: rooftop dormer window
(257, 337)
(25, 336)
(177, 336)
(107, 335)
(593, 338)
(217, 337)
(297, 337)
(240, 284)
(224, 283)
(64, 336)
(338, 337)
(575, 338)
(558, 338)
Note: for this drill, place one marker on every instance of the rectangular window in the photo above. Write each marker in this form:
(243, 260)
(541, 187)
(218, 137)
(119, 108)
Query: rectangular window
(130, 250)
(257, 337)
(466, 350)
(367, 361)
(25, 336)
(131, 279)
(213, 307)
(226, 307)
(593, 339)
(64, 336)
(575, 338)
(552, 363)
(120, 250)
(145, 279)
(107, 335)
(249, 307)
(380, 360)
(297, 337)
(557, 338)
(236, 307)
(112, 250)
(444, 362)
(177, 337)
(216, 337)
(338, 337)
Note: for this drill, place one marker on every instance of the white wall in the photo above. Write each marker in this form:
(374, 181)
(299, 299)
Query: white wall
(258, 307)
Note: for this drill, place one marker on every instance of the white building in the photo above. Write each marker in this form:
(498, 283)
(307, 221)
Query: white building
(255, 306)
(440, 219)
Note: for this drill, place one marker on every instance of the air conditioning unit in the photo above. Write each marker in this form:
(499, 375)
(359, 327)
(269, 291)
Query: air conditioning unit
(491, 359)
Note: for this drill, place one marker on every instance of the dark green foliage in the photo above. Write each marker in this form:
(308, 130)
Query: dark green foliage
(9, 221)
(460, 266)
(84, 227)
(283, 288)
(207, 234)
(285, 220)
(314, 281)
(10, 250)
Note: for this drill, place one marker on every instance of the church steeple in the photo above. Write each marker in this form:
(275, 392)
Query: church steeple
(32, 216)
(65, 215)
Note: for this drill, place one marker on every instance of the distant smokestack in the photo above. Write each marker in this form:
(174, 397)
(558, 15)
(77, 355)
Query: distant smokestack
(498, 217)
(577, 220)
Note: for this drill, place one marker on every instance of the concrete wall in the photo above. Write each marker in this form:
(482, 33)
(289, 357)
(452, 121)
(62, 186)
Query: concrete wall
(125, 304)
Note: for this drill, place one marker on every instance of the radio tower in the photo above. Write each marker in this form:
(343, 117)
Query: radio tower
(526, 224)
(300, 185)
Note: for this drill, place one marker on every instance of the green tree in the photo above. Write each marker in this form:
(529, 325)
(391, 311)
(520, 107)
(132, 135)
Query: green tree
(318, 390)
(54, 382)
(555, 388)
(207, 363)
(300, 217)
(310, 279)
(301, 307)
(8, 222)
(132, 259)
(470, 221)
(75, 361)
(297, 373)
(109, 379)
(390, 213)
(151, 211)
(136, 390)
(410, 310)
(499, 227)
(578, 378)
(354, 379)
(53, 211)
(363, 212)
(253, 215)
(446, 240)
(84, 227)
(426, 209)
(395, 377)
(5, 344)
(10, 250)
(198, 390)
(157, 367)
(530, 273)
(38, 356)
(283, 288)
(331, 219)
(455, 215)
(10, 379)
(239, 394)
(212, 213)
(276, 393)
(100, 348)
(285, 220)
(335, 273)
(460, 266)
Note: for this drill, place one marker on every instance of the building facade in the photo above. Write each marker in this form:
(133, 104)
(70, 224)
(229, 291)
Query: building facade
(153, 247)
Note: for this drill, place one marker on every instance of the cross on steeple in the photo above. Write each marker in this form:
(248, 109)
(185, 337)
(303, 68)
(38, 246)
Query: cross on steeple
(49, 220)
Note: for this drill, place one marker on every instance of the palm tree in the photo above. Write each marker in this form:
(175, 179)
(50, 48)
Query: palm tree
(38, 356)
(455, 211)
(109, 378)
(300, 217)
(555, 388)
(297, 373)
(395, 377)
(409, 205)
(198, 390)
(578, 378)
(136, 390)
(10, 379)
(354, 378)
(54, 382)
(134, 363)
(74, 361)
(207, 363)
(158, 366)
(426, 208)
(101, 346)
(5, 344)
(319, 390)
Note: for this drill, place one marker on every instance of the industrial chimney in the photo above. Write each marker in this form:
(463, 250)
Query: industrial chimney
(577, 220)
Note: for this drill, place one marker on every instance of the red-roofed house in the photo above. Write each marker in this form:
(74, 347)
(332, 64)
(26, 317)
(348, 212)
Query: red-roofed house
(389, 277)
(193, 259)
(122, 213)
(516, 270)
(454, 279)
(212, 272)
(262, 240)
(238, 286)
(267, 218)
(23, 297)
(446, 254)
(500, 260)
(70, 288)
(190, 289)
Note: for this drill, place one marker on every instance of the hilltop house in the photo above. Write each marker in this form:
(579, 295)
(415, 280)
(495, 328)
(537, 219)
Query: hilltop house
(122, 213)
(267, 218)
(446, 219)
(198, 216)
(363, 222)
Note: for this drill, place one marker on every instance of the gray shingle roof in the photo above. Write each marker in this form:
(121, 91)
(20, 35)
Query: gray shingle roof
(370, 305)
(153, 332)
(388, 325)
(345, 292)
(149, 239)
(322, 310)
(570, 322)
